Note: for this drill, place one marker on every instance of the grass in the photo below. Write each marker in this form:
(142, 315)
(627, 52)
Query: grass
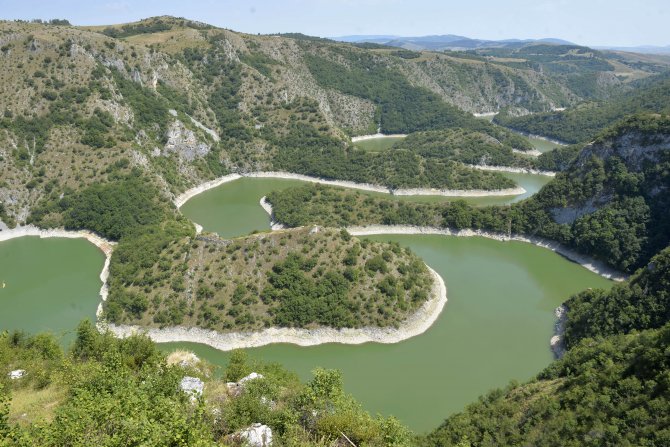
(29, 405)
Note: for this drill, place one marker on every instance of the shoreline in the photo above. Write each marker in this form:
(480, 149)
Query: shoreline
(514, 170)
(585, 261)
(184, 197)
(415, 324)
(539, 137)
(267, 207)
(530, 153)
(107, 247)
(377, 135)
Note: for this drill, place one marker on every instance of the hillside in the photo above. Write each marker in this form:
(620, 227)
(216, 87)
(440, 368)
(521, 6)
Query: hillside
(608, 389)
(584, 121)
(603, 392)
(186, 102)
(110, 392)
(303, 278)
(609, 202)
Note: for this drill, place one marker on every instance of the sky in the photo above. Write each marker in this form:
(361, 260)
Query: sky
(587, 22)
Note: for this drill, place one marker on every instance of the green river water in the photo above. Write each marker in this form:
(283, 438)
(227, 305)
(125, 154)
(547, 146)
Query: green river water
(377, 144)
(50, 284)
(495, 328)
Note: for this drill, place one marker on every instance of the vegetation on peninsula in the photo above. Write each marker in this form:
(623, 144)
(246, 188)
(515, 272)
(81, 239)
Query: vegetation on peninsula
(304, 278)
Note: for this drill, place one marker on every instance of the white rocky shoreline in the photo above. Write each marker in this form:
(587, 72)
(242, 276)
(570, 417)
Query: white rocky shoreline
(587, 262)
(514, 170)
(181, 199)
(377, 135)
(103, 244)
(416, 324)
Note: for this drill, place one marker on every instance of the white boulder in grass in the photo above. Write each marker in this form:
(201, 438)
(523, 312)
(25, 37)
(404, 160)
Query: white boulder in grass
(192, 386)
(17, 374)
(257, 435)
(252, 376)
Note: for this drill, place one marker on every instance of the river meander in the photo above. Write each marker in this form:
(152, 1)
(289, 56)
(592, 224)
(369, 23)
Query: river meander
(495, 327)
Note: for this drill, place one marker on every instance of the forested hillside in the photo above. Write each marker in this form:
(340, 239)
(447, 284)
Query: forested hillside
(609, 391)
(584, 121)
(186, 102)
(610, 202)
(305, 278)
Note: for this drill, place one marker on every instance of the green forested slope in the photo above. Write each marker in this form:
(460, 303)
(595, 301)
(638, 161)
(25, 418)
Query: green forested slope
(301, 278)
(610, 202)
(583, 122)
(610, 391)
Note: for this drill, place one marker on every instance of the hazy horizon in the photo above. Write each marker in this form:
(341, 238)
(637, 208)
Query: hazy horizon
(594, 23)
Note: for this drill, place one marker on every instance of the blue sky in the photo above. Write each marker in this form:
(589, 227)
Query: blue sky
(589, 22)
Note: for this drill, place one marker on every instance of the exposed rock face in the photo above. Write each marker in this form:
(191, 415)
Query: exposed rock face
(634, 149)
(184, 143)
(568, 215)
(257, 435)
(136, 77)
(556, 342)
(192, 386)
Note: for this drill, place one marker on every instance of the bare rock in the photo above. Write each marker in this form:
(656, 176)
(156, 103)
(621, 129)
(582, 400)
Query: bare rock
(192, 386)
(257, 435)
(184, 143)
(17, 374)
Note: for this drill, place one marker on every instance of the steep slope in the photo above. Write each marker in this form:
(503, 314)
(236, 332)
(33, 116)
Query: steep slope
(186, 102)
(585, 121)
(610, 201)
(605, 392)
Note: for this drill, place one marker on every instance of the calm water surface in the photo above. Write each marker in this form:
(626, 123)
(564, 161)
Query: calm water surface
(496, 326)
(50, 284)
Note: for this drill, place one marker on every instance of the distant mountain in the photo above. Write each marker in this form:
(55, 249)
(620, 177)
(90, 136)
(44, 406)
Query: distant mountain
(445, 42)
(645, 49)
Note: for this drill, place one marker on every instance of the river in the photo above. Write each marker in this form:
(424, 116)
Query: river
(495, 327)
(49, 284)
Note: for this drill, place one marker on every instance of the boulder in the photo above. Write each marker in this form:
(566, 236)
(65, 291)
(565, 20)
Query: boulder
(192, 386)
(252, 376)
(257, 435)
(17, 374)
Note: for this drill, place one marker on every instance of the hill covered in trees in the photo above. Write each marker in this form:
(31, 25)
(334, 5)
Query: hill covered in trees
(186, 102)
(304, 278)
(584, 121)
(610, 202)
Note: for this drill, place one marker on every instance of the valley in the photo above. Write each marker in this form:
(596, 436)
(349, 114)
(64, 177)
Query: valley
(184, 202)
